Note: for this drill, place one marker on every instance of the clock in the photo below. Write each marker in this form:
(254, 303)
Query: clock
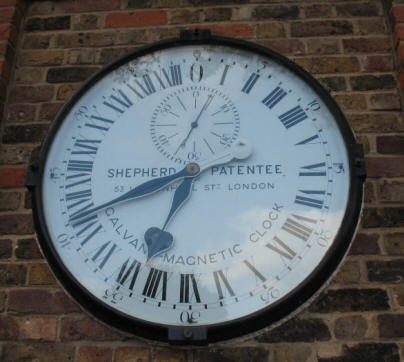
(196, 190)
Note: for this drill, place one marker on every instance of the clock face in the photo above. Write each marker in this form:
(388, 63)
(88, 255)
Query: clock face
(244, 234)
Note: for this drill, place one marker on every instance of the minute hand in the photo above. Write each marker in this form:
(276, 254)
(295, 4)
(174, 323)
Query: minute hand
(139, 191)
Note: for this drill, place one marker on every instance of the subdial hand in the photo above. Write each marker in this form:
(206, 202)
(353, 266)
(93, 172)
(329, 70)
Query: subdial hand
(194, 124)
(158, 240)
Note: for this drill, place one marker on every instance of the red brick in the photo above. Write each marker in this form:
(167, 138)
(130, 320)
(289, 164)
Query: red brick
(40, 301)
(12, 177)
(390, 144)
(94, 354)
(141, 18)
(378, 63)
(4, 3)
(38, 328)
(8, 32)
(385, 166)
(73, 329)
(398, 12)
(399, 32)
(8, 328)
(400, 54)
(366, 45)
(27, 249)
(19, 224)
(126, 354)
(7, 15)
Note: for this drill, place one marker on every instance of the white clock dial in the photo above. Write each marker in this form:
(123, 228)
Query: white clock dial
(243, 233)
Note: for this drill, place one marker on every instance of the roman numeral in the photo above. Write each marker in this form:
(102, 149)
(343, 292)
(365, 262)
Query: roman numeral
(85, 147)
(293, 117)
(224, 74)
(117, 101)
(146, 86)
(309, 201)
(188, 281)
(219, 279)
(273, 98)
(281, 248)
(78, 201)
(250, 83)
(315, 169)
(153, 282)
(128, 273)
(255, 271)
(298, 229)
(95, 123)
(79, 172)
(87, 228)
(103, 253)
(80, 166)
(173, 76)
(309, 141)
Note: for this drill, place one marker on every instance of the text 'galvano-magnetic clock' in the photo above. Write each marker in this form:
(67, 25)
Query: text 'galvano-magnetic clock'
(196, 190)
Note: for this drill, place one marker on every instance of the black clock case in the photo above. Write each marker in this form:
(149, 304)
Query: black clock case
(249, 324)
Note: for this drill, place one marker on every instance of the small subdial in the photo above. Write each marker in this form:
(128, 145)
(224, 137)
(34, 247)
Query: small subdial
(194, 123)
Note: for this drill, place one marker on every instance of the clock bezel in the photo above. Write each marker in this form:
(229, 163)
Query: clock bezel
(250, 323)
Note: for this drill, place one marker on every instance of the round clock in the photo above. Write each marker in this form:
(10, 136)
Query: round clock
(197, 190)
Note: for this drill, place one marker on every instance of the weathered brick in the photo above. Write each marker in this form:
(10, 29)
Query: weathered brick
(141, 18)
(94, 354)
(398, 294)
(365, 244)
(8, 328)
(365, 352)
(40, 274)
(12, 275)
(169, 356)
(270, 30)
(65, 91)
(358, 9)
(280, 12)
(40, 301)
(125, 354)
(27, 249)
(41, 57)
(369, 194)
(27, 133)
(73, 329)
(181, 16)
(21, 113)
(29, 75)
(322, 65)
(350, 327)
(394, 244)
(323, 46)
(384, 101)
(28, 200)
(88, 5)
(373, 82)
(391, 191)
(375, 122)
(36, 41)
(108, 54)
(231, 30)
(12, 177)
(81, 56)
(390, 144)
(351, 102)
(301, 353)
(321, 28)
(8, 32)
(285, 46)
(14, 155)
(351, 300)
(48, 111)
(6, 248)
(349, 273)
(390, 271)
(38, 328)
(72, 40)
(3, 297)
(371, 26)
(246, 354)
(8, 15)
(335, 84)
(31, 94)
(47, 24)
(136, 36)
(68, 75)
(378, 63)
(383, 217)
(9, 201)
(297, 330)
(318, 11)
(366, 45)
(44, 352)
(85, 22)
(216, 14)
(391, 325)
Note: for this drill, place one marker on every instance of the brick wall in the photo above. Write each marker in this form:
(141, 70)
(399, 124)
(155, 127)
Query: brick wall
(47, 48)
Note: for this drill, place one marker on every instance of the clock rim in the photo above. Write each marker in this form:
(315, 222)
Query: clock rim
(264, 318)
